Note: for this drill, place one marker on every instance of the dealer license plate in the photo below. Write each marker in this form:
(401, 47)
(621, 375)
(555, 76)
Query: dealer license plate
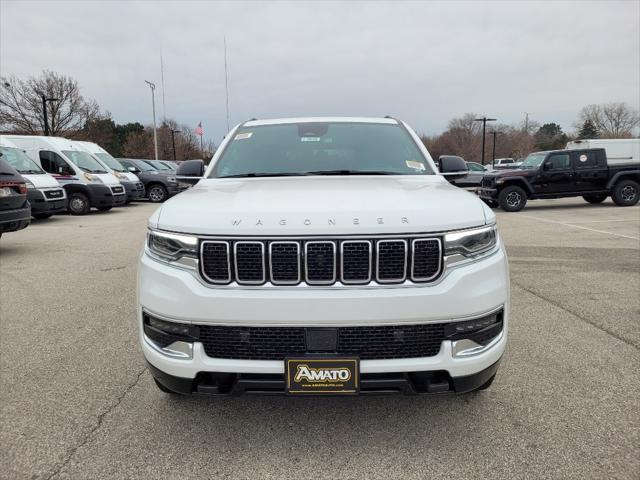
(318, 376)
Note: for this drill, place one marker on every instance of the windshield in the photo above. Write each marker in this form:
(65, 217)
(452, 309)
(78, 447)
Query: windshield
(20, 161)
(110, 162)
(323, 148)
(159, 165)
(143, 166)
(84, 161)
(533, 160)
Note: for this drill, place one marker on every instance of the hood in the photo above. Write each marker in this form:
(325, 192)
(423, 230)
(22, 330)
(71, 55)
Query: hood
(42, 180)
(107, 178)
(321, 206)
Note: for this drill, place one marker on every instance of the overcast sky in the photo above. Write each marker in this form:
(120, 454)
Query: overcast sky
(424, 62)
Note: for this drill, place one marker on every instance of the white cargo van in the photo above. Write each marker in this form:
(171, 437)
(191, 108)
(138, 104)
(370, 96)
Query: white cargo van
(44, 193)
(86, 181)
(619, 150)
(134, 188)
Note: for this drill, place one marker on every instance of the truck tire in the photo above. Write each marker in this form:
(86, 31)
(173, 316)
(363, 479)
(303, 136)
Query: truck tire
(78, 204)
(626, 193)
(157, 193)
(595, 197)
(512, 198)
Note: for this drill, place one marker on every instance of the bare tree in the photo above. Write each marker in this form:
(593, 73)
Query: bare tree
(21, 109)
(612, 120)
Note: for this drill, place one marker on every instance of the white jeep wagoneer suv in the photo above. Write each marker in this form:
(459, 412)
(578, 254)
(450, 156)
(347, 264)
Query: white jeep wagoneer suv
(323, 256)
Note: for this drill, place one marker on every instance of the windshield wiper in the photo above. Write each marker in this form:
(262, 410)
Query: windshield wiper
(250, 175)
(351, 172)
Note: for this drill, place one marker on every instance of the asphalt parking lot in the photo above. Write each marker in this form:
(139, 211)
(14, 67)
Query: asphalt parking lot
(77, 401)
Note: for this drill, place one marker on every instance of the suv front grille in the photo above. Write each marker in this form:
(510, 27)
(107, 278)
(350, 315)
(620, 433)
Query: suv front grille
(320, 262)
(277, 343)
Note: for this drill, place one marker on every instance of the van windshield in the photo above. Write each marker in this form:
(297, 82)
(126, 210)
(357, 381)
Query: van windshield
(84, 161)
(110, 162)
(20, 161)
(321, 148)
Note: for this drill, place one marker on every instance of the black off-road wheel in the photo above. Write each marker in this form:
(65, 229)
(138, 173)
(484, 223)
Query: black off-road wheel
(626, 193)
(512, 198)
(79, 204)
(157, 193)
(595, 197)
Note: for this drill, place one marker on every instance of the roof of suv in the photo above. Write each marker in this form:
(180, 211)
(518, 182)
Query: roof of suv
(277, 121)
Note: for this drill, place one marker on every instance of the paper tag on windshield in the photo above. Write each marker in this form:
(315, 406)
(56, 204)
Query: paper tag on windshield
(415, 165)
(242, 136)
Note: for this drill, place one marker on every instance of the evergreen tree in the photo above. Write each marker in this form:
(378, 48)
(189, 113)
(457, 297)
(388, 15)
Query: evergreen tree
(588, 130)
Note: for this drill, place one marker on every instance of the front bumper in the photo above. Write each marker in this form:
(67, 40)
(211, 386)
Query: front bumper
(40, 204)
(134, 190)
(462, 292)
(17, 219)
(100, 195)
(487, 193)
(175, 188)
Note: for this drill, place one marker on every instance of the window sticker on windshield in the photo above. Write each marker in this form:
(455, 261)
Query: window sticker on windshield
(309, 139)
(242, 136)
(415, 165)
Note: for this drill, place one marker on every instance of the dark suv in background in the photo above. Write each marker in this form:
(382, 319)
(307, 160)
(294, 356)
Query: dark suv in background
(159, 184)
(15, 211)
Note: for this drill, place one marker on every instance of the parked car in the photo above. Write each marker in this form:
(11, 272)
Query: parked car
(505, 163)
(563, 173)
(310, 259)
(86, 182)
(172, 165)
(474, 175)
(44, 193)
(159, 165)
(133, 187)
(159, 185)
(15, 211)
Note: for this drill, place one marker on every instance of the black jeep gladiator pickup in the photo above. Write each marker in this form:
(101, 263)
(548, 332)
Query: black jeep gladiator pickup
(562, 173)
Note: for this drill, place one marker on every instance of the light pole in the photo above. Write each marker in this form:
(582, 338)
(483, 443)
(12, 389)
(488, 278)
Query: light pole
(152, 86)
(484, 121)
(44, 112)
(173, 142)
(493, 158)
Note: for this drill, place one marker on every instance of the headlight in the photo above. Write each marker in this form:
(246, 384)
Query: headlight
(120, 176)
(29, 184)
(173, 247)
(172, 180)
(92, 178)
(470, 243)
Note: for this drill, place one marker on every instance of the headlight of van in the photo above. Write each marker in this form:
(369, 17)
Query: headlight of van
(29, 184)
(470, 243)
(173, 248)
(120, 176)
(92, 178)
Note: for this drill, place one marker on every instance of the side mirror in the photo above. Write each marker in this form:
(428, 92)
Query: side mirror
(133, 170)
(190, 171)
(547, 165)
(453, 167)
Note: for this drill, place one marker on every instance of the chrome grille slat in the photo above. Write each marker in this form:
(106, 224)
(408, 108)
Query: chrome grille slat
(348, 261)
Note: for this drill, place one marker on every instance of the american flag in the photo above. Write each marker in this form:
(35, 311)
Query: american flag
(199, 131)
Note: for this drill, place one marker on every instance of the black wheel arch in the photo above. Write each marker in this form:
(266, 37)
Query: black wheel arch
(624, 175)
(523, 183)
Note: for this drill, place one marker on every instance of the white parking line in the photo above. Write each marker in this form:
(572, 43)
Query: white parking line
(582, 228)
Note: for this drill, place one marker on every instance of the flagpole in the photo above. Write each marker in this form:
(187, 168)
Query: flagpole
(226, 79)
(164, 109)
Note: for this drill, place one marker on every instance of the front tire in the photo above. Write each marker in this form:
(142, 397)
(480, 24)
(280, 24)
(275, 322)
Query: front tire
(595, 198)
(157, 193)
(79, 204)
(626, 193)
(512, 198)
